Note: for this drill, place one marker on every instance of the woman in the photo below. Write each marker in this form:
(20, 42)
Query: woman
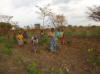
(20, 39)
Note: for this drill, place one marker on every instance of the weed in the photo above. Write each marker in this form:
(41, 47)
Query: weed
(33, 70)
(60, 70)
(44, 40)
(95, 59)
(82, 34)
(2, 39)
(9, 44)
(6, 50)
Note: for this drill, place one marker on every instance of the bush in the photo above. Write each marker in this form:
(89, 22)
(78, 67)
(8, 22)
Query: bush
(44, 40)
(95, 59)
(7, 51)
(9, 44)
(2, 39)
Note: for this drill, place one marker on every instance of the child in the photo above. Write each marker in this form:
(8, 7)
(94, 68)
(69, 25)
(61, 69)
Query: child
(25, 37)
(52, 42)
(41, 33)
(20, 39)
(62, 36)
(35, 43)
(57, 36)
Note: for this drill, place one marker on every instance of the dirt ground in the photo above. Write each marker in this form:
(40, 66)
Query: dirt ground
(74, 58)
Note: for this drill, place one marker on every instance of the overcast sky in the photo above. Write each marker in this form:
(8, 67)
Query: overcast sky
(24, 11)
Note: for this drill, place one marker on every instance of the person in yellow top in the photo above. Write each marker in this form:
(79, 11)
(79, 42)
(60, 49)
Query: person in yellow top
(20, 39)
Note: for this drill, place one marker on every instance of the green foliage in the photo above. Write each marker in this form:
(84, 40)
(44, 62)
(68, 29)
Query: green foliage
(95, 59)
(33, 70)
(82, 34)
(61, 71)
(44, 40)
(9, 44)
(4, 25)
(2, 39)
(6, 50)
(97, 32)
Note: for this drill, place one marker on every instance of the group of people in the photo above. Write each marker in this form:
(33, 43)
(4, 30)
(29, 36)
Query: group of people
(55, 37)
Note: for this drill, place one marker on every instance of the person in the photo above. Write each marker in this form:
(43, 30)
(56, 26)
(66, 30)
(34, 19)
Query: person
(58, 36)
(35, 43)
(52, 42)
(25, 37)
(41, 33)
(20, 39)
(62, 36)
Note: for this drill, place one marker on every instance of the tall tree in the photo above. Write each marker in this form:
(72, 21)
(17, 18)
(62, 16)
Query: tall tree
(5, 18)
(94, 13)
(43, 11)
(57, 20)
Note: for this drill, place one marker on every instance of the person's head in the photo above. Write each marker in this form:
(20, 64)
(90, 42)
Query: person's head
(35, 37)
(41, 30)
(19, 32)
(52, 29)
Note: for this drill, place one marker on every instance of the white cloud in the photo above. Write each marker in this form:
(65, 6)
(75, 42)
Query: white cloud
(25, 13)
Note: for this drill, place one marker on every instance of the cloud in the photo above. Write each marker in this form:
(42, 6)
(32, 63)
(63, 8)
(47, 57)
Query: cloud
(25, 13)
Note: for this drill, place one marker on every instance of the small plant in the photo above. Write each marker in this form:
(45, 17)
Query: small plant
(32, 69)
(2, 39)
(9, 44)
(82, 34)
(43, 40)
(95, 59)
(60, 71)
(6, 50)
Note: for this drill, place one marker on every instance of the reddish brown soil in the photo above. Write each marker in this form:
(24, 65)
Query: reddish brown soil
(73, 57)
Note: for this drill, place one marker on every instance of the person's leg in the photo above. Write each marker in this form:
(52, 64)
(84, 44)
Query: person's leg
(50, 44)
(36, 47)
(54, 45)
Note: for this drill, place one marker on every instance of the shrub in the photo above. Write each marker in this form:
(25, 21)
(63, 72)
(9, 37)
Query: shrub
(32, 69)
(95, 59)
(6, 50)
(44, 40)
(2, 39)
(9, 44)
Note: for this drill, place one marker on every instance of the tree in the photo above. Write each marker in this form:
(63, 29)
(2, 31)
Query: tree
(5, 18)
(43, 11)
(57, 20)
(94, 13)
(5, 27)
